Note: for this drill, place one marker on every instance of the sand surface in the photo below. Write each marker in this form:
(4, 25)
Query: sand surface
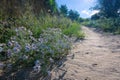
(95, 58)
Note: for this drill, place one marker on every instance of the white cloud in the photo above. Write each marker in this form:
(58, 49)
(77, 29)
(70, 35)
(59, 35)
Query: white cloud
(94, 12)
(89, 0)
(85, 12)
(89, 13)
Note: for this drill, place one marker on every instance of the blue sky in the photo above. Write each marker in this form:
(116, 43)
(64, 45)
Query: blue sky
(82, 6)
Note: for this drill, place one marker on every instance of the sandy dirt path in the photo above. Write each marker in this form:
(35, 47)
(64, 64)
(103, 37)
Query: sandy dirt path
(95, 58)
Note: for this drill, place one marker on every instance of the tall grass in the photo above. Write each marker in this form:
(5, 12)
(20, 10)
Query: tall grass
(37, 24)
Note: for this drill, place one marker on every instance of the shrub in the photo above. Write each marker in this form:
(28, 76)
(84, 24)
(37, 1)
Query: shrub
(74, 30)
(106, 24)
(23, 50)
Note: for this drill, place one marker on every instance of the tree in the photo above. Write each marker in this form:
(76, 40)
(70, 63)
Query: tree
(64, 10)
(80, 19)
(108, 8)
(73, 15)
(95, 16)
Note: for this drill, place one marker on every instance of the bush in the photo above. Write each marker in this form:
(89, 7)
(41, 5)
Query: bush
(106, 24)
(74, 30)
(40, 44)
(23, 50)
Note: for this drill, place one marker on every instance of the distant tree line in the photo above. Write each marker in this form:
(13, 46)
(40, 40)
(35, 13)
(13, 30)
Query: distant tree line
(72, 14)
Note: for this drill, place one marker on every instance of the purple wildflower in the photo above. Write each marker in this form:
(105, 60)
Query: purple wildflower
(27, 48)
(10, 44)
(9, 53)
(16, 50)
(25, 57)
(34, 47)
(37, 62)
(37, 68)
(1, 49)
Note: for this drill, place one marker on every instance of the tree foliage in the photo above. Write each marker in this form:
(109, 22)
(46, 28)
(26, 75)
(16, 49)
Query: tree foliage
(95, 16)
(73, 15)
(64, 10)
(108, 8)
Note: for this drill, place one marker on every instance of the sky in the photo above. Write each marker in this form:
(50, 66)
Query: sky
(82, 6)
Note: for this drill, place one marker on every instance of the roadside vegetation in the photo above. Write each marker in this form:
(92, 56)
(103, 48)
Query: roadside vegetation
(35, 37)
(108, 17)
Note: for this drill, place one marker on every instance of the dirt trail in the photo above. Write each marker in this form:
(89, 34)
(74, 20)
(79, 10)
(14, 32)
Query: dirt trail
(95, 58)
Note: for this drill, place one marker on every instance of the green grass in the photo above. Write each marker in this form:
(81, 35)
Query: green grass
(49, 36)
(106, 24)
(37, 24)
(74, 30)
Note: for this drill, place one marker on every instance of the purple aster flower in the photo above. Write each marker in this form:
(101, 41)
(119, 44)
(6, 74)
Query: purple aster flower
(41, 40)
(34, 47)
(16, 50)
(49, 73)
(9, 53)
(17, 45)
(10, 44)
(37, 68)
(1, 49)
(27, 48)
(37, 62)
(25, 57)
(2, 65)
